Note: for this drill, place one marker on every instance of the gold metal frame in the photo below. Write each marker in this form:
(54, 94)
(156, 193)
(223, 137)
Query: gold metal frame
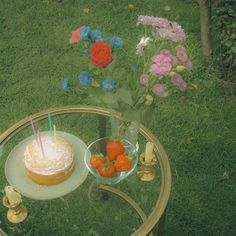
(162, 201)
(2, 233)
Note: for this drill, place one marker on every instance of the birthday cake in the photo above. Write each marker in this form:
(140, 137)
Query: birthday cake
(49, 162)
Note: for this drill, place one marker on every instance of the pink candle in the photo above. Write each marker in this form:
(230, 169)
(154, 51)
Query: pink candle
(33, 128)
(40, 143)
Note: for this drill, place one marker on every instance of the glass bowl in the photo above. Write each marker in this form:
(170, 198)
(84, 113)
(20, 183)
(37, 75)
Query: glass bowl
(99, 146)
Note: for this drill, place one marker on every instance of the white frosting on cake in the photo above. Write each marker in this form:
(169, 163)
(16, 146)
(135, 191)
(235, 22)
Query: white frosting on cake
(57, 156)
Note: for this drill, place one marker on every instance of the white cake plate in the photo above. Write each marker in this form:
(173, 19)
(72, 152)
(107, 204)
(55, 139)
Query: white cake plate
(16, 174)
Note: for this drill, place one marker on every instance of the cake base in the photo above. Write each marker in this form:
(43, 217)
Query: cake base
(51, 179)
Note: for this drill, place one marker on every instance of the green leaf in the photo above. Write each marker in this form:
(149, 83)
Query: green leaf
(233, 25)
(233, 49)
(111, 66)
(95, 84)
(91, 67)
(228, 43)
(109, 98)
(118, 74)
(130, 115)
(125, 96)
(94, 100)
(94, 90)
(95, 95)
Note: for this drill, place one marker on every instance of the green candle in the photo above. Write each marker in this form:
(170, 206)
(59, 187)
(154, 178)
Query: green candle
(50, 125)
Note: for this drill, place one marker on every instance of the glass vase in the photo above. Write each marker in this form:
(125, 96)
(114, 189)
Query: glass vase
(124, 128)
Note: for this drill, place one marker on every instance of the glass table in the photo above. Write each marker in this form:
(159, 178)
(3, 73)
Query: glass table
(74, 207)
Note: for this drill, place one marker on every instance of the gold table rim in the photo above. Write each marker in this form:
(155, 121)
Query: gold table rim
(165, 189)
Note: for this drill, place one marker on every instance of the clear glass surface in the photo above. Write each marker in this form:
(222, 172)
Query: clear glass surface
(75, 213)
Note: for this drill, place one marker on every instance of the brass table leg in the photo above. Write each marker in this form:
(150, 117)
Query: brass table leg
(161, 226)
(102, 132)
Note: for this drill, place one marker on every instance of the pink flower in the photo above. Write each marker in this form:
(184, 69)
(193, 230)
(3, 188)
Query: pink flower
(162, 65)
(177, 29)
(179, 82)
(169, 34)
(165, 52)
(154, 21)
(174, 60)
(180, 48)
(182, 56)
(160, 90)
(163, 28)
(75, 35)
(188, 64)
(144, 79)
(173, 32)
(161, 58)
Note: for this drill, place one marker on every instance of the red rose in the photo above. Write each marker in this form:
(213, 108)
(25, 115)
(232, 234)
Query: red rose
(101, 54)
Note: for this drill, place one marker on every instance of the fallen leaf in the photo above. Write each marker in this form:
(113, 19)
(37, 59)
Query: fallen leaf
(182, 99)
(131, 6)
(225, 175)
(86, 10)
(167, 8)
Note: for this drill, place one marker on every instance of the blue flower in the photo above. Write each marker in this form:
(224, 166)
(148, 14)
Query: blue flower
(65, 84)
(85, 78)
(95, 35)
(108, 85)
(84, 33)
(116, 42)
(134, 67)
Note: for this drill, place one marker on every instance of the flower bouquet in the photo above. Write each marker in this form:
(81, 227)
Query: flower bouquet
(164, 67)
(156, 68)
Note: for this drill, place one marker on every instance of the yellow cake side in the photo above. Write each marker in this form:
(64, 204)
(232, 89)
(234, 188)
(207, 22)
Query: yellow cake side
(51, 179)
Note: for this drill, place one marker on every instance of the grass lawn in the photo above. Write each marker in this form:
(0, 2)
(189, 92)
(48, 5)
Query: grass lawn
(198, 131)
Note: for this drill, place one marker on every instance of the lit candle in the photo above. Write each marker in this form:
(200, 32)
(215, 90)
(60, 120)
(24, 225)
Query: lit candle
(149, 152)
(54, 134)
(12, 196)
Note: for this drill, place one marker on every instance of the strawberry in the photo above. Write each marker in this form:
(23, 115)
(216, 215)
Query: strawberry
(114, 148)
(106, 170)
(97, 160)
(122, 163)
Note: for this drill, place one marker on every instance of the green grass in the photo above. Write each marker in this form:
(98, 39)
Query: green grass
(198, 133)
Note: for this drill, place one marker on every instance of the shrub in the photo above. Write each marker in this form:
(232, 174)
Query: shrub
(225, 25)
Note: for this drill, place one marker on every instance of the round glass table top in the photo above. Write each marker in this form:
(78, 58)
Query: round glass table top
(81, 205)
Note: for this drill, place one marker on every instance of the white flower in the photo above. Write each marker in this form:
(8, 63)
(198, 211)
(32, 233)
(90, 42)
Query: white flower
(144, 41)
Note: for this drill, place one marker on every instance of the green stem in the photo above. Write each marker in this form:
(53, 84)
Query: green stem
(161, 44)
(126, 53)
(137, 102)
(144, 63)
